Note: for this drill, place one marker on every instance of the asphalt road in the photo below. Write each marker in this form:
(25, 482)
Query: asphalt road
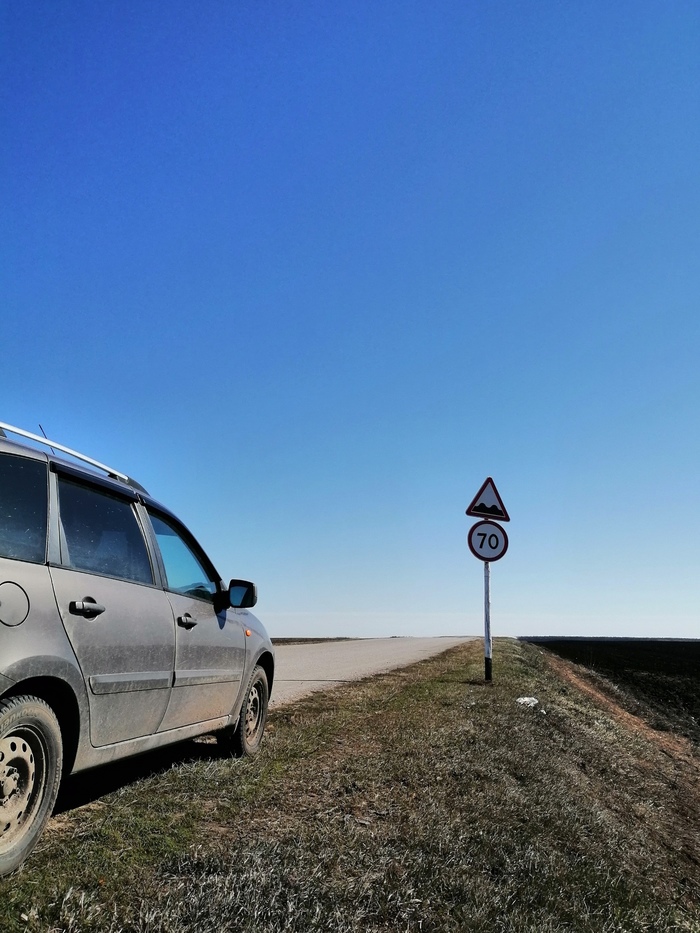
(301, 669)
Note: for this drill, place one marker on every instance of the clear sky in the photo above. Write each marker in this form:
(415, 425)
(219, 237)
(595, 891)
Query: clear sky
(312, 271)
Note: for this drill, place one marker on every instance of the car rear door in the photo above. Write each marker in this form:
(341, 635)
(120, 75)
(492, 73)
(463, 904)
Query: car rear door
(210, 645)
(117, 618)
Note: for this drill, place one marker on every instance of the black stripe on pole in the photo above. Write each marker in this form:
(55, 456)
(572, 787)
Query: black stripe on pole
(487, 669)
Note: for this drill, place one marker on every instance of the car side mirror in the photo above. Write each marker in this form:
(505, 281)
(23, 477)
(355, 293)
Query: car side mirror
(242, 594)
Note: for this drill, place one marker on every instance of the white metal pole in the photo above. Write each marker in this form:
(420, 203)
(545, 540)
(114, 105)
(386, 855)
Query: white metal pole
(487, 620)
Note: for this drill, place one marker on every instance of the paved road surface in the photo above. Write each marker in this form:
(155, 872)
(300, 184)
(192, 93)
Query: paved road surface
(301, 669)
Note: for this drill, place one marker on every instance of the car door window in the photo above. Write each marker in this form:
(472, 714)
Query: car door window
(184, 570)
(101, 533)
(23, 500)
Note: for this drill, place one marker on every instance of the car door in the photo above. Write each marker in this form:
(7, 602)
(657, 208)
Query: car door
(118, 620)
(209, 645)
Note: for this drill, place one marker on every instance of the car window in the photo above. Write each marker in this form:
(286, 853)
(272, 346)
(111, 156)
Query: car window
(184, 570)
(102, 534)
(23, 508)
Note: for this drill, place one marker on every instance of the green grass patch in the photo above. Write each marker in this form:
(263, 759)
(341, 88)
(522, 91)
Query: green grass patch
(421, 800)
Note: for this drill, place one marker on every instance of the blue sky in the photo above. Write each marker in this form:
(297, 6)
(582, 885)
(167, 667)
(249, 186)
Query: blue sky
(312, 271)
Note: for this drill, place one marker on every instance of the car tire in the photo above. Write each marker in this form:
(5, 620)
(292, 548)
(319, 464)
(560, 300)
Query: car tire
(31, 757)
(244, 739)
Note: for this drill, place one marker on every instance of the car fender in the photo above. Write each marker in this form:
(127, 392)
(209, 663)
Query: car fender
(51, 668)
(257, 643)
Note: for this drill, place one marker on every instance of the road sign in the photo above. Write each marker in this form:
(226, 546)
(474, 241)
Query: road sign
(487, 541)
(488, 504)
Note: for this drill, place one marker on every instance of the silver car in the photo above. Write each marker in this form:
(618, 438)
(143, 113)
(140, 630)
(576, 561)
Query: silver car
(117, 635)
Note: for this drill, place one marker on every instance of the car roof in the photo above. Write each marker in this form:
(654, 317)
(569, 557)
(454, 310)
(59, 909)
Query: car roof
(81, 465)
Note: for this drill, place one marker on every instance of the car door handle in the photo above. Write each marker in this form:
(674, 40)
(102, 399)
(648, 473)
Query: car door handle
(85, 607)
(186, 621)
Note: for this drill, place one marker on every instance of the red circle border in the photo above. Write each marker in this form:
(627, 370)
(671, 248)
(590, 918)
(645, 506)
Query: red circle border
(487, 560)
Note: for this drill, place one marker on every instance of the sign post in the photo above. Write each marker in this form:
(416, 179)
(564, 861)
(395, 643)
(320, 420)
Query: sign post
(488, 672)
(488, 541)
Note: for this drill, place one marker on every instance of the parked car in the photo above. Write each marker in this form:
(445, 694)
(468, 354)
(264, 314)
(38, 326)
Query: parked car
(117, 634)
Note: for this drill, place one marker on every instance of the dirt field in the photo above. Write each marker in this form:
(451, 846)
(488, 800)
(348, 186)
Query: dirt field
(658, 679)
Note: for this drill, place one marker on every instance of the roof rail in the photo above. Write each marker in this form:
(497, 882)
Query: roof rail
(115, 474)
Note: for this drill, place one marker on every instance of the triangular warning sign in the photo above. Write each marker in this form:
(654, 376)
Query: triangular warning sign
(487, 502)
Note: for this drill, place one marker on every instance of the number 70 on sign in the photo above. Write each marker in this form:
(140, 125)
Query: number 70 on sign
(487, 541)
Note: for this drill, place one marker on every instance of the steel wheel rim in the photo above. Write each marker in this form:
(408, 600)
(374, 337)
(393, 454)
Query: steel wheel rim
(22, 781)
(253, 713)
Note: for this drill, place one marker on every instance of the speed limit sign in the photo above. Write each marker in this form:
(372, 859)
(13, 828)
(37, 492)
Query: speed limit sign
(487, 541)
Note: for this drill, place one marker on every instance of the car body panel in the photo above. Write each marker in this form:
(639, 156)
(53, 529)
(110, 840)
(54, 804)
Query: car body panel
(91, 757)
(126, 653)
(209, 662)
(40, 634)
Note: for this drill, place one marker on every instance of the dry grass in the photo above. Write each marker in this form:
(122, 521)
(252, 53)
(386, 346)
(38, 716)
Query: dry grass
(421, 800)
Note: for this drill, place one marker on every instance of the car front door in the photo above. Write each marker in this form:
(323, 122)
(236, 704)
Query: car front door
(118, 620)
(210, 645)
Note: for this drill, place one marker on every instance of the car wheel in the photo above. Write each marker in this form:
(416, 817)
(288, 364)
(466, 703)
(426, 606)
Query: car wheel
(245, 737)
(31, 756)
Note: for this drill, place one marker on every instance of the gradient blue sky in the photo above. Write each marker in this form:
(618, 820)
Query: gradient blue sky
(311, 271)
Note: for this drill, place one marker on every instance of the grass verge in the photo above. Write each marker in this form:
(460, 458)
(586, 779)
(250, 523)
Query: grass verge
(421, 800)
